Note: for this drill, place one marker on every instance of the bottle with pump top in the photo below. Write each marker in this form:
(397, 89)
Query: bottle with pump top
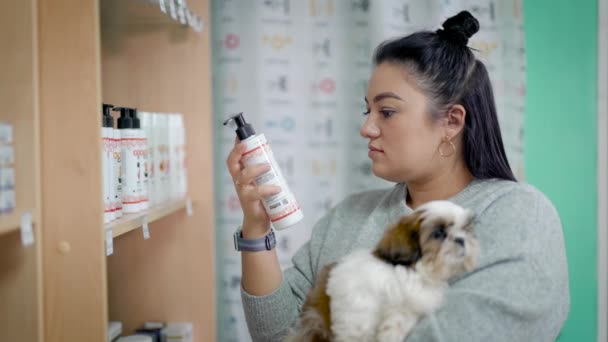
(129, 140)
(142, 160)
(282, 208)
(117, 171)
(107, 135)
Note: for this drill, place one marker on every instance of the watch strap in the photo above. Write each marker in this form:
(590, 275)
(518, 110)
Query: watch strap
(264, 243)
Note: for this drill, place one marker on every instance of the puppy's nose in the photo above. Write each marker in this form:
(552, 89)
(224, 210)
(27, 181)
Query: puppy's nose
(459, 241)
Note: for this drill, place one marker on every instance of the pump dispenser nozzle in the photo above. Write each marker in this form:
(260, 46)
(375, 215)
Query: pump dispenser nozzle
(124, 121)
(134, 118)
(243, 129)
(106, 118)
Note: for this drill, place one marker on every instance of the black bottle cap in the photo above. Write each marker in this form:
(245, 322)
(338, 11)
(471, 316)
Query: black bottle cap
(243, 129)
(106, 119)
(124, 121)
(134, 118)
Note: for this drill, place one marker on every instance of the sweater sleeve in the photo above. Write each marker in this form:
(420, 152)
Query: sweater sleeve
(520, 291)
(270, 316)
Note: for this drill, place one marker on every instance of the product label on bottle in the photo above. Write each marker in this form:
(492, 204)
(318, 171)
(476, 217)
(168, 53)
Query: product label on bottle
(162, 176)
(118, 171)
(139, 155)
(131, 167)
(106, 162)
(143, 149)
(151, 172)
(282, 204)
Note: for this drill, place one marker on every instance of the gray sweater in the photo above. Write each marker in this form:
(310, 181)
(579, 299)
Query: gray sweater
(519, 292)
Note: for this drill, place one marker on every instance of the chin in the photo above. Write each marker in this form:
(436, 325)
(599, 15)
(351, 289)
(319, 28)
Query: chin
(380, 294)
(381, 172)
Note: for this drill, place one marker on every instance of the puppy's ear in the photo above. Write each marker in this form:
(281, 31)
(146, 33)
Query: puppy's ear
(400, 244)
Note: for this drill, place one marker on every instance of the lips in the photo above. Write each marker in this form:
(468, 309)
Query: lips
(374, 149)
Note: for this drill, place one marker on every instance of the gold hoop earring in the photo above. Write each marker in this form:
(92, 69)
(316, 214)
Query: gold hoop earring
(451, 144)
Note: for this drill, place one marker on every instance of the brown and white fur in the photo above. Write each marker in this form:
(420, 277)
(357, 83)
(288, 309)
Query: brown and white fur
(380, 295)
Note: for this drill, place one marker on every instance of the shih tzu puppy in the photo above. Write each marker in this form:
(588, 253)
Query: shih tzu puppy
(380, 295)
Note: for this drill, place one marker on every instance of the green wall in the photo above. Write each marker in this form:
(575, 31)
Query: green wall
(560, 138)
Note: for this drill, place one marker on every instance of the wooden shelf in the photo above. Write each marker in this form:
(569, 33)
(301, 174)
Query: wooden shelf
(131, 222)
(21, 275)
(12, 222)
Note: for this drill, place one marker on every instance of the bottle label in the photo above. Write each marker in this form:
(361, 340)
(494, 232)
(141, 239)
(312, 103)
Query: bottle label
(151, 171)
(145, 169)
(118, 172)
(131, 167)
(282, 204)
(106, 162)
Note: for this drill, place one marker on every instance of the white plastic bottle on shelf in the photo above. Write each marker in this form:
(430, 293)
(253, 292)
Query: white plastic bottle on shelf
(142, 161)
(117, 173)
(163, 150)
(183, 169)
(156, 133)
(282, 208)
(107, 135)
(146, 124)
(173, 158)
(129, 142)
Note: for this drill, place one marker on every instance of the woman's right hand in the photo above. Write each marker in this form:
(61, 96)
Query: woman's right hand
(255, 220)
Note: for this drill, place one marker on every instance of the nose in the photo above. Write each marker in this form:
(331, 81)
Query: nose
(459, 241)
(369, 128)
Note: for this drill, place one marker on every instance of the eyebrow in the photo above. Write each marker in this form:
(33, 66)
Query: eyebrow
(385, 95)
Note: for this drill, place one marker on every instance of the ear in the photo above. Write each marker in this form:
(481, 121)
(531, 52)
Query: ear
(456, 116)
(400, 244)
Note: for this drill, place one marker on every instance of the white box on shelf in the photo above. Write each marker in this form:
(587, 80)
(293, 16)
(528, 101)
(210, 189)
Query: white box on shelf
(114, 330)
(7, 154)
(177, 332)
(6, 133)
(7, 178)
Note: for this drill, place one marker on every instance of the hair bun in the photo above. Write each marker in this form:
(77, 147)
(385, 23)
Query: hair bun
(459, 28)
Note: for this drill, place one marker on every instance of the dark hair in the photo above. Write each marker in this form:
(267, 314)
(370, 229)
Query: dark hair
(448, 72)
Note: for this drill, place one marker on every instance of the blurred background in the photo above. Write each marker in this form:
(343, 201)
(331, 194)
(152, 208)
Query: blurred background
(73, 269)
(299, 71)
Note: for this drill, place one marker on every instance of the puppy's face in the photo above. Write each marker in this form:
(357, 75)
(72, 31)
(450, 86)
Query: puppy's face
(439, 235)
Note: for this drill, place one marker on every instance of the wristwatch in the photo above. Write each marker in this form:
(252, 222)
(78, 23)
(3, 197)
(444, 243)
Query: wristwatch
(264, 243)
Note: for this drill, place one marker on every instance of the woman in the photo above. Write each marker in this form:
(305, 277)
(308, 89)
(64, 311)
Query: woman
(432, 128)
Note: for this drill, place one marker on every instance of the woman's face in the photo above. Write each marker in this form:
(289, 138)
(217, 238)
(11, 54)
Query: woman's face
(403, 138)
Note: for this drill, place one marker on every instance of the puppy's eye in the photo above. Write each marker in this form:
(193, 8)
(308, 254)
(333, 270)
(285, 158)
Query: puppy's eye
(438, 234)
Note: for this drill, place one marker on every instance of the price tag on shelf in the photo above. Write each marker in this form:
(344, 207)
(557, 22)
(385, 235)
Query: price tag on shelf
(189, 207)
(109, 242)
(190, 18)
(27, 232)
(172, 9)
(199, 24)
(181, 11)
(163, 7)
(145, 229)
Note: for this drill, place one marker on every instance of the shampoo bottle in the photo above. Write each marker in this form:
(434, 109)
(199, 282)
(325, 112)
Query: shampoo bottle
(117, 172)
(282, 208)
(146, 125)
(141, 152)
(107, 135)
(129, 141)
